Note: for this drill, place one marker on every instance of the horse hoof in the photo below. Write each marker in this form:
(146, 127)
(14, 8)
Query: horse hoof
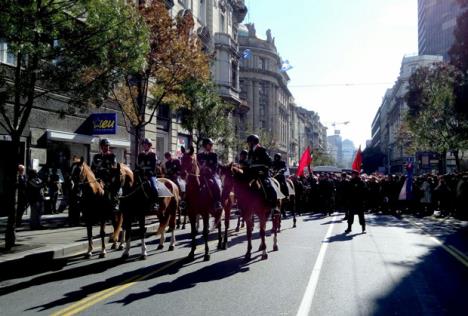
(102, 255)
(206, 258)
(247, 256)
(143, 257)
(237, 229)
(88, 255)
(224, 246)
(121, 247)
(275, 248)
(160, 247)
(171, 248)
(294, 226)
(261, 248)
(265, 256)
(124, 255)
(191, 257)
(113, 247)
(183, 227)
(178, 227)
(220, 246)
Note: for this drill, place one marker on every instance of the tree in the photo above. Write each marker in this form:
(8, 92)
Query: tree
(322, 158)
(459, 58)
(175, 56)
(432, 116)
(372, 159)
(205, 114)
(76, 47)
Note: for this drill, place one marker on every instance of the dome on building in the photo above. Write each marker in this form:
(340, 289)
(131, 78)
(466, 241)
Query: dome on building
(243, 30)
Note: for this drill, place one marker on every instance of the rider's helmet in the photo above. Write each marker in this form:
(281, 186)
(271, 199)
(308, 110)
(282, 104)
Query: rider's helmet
(207, 141)
(277, 156)
(147, 141)
(104, 142)
(243, 153)
(253, 139)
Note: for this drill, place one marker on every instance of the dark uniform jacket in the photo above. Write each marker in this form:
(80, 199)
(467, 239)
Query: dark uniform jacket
(259, 162)
(209, 163)
(356, 193)
(279, 167)
(147, 162)
(173, 168)
(102, 164)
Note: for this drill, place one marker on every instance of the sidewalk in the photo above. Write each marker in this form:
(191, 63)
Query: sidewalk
(54, 242)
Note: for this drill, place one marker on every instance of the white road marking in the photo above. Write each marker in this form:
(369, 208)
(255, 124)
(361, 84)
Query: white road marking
(306, 303)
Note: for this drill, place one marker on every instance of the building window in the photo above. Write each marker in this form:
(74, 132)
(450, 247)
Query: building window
(6, 55)
(234, 75)
(222, 23)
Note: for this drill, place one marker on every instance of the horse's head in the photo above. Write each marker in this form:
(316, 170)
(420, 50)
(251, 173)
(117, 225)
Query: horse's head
(76, 174)
(188, 162)
(81, 175)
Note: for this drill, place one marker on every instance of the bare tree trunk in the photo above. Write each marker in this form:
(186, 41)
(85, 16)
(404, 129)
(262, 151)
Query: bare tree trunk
(456, 154)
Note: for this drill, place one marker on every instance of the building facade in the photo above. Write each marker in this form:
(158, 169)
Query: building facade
(391, 114)
(437, 20)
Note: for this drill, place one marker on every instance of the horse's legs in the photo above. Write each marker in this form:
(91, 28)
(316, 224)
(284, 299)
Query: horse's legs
(293, 210)
(173, 240)
(162, 239)
(262, 220)
(117, 224)
(193, 233)
(206, 230)
(227, 217)
(103, 237)
(238, 223)
(89, 233)
(276, 228)
(249, 224)
(144, 252)
(128, 236)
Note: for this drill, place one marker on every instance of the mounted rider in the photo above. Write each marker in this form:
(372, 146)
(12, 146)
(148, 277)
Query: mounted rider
(259, 163)
(102, 166)
(279, 169)
(172, 168)
(146, 163)
(208, 161)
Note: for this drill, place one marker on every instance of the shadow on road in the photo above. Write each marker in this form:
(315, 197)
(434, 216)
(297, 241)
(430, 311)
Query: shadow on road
(216, 271)
(436, 285)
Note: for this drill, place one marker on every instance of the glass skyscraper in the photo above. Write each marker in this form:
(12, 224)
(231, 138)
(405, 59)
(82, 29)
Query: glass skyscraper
(437, 20)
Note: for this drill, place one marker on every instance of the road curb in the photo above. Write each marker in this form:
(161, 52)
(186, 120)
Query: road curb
(46, 258)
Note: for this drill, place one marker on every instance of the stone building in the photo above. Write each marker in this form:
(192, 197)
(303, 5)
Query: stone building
(390, 115)
(216, 24)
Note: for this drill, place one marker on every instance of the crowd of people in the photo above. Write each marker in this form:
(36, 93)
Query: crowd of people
(351, 193)
(329, 192)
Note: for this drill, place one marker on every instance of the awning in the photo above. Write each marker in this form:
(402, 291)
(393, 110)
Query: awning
(69, 137)
(119, 143)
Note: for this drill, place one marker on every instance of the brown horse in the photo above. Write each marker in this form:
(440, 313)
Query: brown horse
(289, 202)
(89, 191)
(198, 201)
(167, 213)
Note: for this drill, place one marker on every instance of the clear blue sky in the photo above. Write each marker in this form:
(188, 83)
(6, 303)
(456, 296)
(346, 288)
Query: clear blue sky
(340, 41)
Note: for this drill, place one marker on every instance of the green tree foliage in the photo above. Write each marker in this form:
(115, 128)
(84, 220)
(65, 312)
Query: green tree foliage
(205, 114)
(372, 159)
(432, 117)
(76, 47)
(322, 158)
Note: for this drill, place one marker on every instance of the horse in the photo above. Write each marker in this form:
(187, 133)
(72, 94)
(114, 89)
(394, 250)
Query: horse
(227, 200)
(252, 201)
(198, 202)
(137, 201)
(96, 206)
(289, 202)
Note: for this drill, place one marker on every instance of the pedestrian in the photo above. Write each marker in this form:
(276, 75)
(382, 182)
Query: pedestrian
(35, 192)
(356, 195)
(22, 201)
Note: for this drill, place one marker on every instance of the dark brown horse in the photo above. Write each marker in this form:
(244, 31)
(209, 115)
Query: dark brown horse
(137, 202)
(94, 203)
(199, 201)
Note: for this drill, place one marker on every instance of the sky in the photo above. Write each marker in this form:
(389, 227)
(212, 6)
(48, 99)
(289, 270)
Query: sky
(345, 53)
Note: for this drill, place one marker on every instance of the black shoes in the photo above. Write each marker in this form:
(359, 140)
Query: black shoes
(347, 231)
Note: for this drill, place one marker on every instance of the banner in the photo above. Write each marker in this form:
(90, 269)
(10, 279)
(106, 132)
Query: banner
(104, 123)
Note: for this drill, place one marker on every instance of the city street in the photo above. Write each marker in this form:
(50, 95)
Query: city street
(402, 266)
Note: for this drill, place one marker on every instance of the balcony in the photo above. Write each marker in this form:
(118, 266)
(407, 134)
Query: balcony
(225, 41)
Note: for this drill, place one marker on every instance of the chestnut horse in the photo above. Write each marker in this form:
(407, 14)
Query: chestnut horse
(95, 205)
(252, 201)
(199, 201)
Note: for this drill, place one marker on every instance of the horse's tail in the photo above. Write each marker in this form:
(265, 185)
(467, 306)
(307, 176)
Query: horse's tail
(169, 207)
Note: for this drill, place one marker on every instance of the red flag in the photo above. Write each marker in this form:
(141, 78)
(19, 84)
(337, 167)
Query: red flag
(305, 161)
(357, 161)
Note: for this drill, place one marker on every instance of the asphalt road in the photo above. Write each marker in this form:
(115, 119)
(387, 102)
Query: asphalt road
(400, 267)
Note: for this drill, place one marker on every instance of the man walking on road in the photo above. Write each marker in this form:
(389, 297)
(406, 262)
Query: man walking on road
(356, 197)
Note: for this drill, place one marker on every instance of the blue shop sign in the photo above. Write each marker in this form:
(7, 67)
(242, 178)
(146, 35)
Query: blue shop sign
(104, 123)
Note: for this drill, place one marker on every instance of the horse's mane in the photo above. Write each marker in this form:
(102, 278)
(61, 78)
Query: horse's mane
(91, 180)
(126, 175)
